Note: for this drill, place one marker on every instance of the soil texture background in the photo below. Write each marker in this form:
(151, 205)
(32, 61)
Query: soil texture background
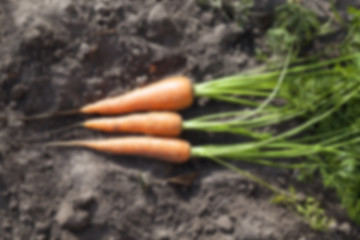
(61, 54)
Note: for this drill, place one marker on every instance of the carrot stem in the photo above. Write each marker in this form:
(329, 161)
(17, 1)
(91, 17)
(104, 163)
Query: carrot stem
(166, 149)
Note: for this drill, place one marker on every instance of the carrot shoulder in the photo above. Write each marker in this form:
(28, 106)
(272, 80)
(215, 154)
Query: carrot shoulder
(166, 149)
(154, 123)
(173, 93)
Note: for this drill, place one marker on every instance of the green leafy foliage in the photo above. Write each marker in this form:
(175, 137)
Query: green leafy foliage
(309, 209)
(352, 41)
(313, 214)
(341, 173)
(294, 27)
(322, 94)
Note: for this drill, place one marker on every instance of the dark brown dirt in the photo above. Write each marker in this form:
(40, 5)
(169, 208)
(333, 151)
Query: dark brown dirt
(58, 55)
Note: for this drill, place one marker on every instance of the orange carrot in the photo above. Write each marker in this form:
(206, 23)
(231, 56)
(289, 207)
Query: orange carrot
(173, 93)
(154, 123)
(166, 149)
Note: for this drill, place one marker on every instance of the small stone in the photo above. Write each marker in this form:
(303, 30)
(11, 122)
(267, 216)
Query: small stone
(14, 119)
(207, 17)
(203, 210)
(6, 225)
(13, 204)
(41, 237)
(114, 72)
(333, 225)
(47, 165)
(225, 224)
(25, 205)
(162, 234)
(85, 50)
(157, 13)
(72, 219)
(31, 35)
(65, 212)
(300, 196)
(302, 238)
(103, 8)
(210, 228)
(141, 80)
(215, 36)
(345, 228)
(25, 218)
(42, 227)
(94, 81)
(136, 51)
(85, 199)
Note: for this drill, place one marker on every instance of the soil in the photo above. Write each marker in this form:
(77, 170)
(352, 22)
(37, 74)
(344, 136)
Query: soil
(58, 55)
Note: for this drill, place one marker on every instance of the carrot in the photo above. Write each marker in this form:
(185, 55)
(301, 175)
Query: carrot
(173, 93)
(154, 123)
(166, 149)
(170, 124)
(167, 124)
